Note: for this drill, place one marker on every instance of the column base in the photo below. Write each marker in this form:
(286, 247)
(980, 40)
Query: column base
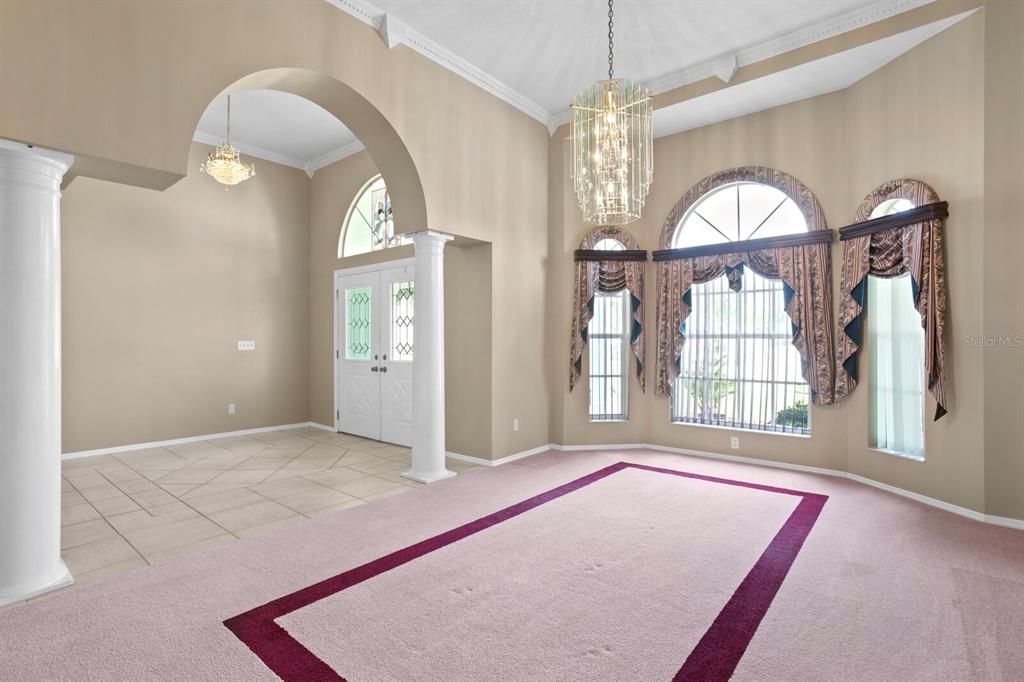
(63, 578)
(430, 477)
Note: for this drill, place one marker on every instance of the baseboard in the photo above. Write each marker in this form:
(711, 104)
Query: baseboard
(748, 460)
(1003, 521)
(502, 460)
(187, 439)
(583, 448)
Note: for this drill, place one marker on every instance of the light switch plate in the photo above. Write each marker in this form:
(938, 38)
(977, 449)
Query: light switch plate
(734, 442)
(246, 345)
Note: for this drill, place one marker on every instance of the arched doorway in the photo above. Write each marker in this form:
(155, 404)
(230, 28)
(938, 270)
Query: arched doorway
(404, 187)
(373, 130)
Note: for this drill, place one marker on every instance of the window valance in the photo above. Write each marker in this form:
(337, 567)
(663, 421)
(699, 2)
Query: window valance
(802, 262)
(908, 242)
(607, 271)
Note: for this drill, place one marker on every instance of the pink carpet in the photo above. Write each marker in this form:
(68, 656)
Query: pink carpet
(568, 567)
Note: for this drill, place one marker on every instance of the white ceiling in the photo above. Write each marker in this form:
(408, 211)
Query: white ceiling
(280, 127)
(536, 54)
(811, 79)
(548, 50)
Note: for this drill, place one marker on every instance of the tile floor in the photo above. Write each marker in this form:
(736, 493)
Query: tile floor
(127, 510)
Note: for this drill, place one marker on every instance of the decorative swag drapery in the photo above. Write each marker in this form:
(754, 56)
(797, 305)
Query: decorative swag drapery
(915, 248)
(802, 262)
(609, 275)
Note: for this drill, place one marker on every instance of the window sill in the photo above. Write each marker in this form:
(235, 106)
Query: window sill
(742, 430)
(608, 421)
(901, 455)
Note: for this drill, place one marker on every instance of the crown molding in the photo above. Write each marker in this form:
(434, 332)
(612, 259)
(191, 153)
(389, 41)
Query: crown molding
(338, 154)
(558, 120)
(394, 32)
(725, 66)
(251, 150)
(310, 167)
(826, 29)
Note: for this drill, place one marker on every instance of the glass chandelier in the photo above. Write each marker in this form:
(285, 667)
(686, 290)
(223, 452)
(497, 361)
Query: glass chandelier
(611, 146)
(223, 164)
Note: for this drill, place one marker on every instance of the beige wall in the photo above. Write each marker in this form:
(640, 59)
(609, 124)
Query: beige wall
(1003, 249)
(908, 137)
(520, 271)
(158, 287)
(924, 115)
(495, 307)
(789, 138)
(124, 83)
(332, 191)
(468, 350)
(467, 310)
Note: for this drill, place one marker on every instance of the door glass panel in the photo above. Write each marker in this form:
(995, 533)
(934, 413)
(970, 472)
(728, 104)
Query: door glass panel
(403, 295)
(357, 323)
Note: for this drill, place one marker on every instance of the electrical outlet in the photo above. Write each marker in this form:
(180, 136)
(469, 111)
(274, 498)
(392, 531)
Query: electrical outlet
(246, 345)
(231, 408)
(734, 442)
(515, 424)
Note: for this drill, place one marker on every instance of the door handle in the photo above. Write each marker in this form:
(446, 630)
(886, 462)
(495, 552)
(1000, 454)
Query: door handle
(374, 369)
(383, 369)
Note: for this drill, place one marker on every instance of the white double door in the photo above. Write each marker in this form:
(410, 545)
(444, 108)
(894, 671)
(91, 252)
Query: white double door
(375, 353)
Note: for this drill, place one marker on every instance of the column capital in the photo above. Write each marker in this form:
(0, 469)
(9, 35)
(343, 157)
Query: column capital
(431, 237)
(59, 161)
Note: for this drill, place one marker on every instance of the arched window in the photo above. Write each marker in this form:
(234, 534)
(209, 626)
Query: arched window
(738, 367)
(738, 211)
(895, 354)
(368, 224)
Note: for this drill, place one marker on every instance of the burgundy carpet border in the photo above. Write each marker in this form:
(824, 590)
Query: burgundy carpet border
(714, 658)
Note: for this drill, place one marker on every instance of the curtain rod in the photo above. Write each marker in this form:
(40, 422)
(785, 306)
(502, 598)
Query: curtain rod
(803, 239)
(595, 255)
(921, 214)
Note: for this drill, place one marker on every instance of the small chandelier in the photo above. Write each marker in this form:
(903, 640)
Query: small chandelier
(611, 146)
(223, 164)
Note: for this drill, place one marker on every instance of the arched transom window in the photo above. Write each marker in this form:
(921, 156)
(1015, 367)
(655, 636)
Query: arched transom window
(739, 211)
(738, 367)
(368, 224)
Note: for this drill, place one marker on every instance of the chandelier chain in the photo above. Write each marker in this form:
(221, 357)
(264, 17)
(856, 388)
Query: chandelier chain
(611, 40)
(227, 139)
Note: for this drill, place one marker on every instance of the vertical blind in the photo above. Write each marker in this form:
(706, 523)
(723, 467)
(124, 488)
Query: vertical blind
(738, 367)
(609, 345)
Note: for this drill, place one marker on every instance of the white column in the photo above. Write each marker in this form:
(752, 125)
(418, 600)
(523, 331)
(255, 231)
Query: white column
(428, 367)
(30, 449)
